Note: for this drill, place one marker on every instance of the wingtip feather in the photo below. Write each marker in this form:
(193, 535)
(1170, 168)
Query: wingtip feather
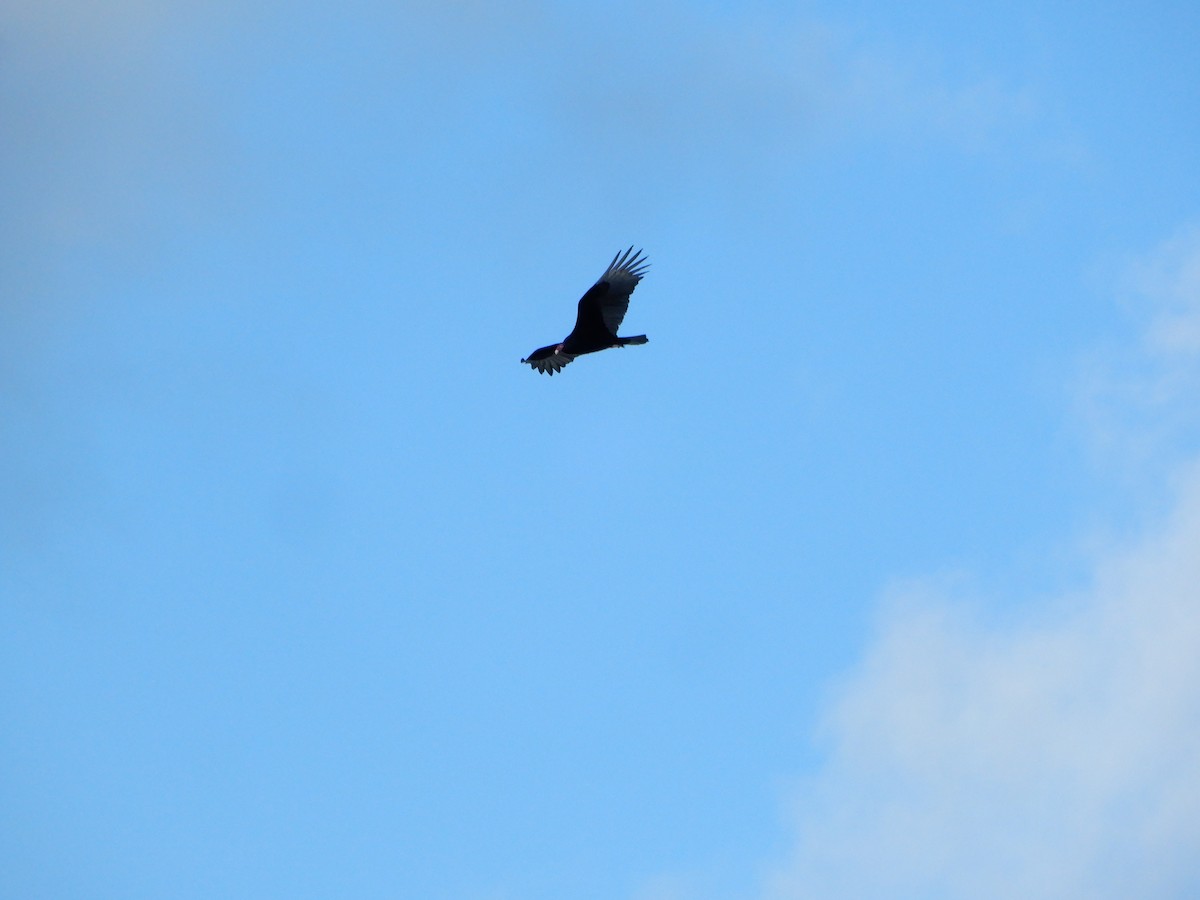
(628, 261)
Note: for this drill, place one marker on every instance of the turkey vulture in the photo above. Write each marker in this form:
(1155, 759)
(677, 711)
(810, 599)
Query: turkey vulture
(601, 310)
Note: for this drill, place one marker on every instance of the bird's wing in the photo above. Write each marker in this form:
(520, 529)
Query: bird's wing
(609, 296)
(548, 359)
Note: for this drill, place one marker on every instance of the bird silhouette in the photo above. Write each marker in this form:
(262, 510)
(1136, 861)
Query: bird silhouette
(601, 311)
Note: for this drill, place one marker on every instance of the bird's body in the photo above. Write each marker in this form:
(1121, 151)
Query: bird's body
(601, 311)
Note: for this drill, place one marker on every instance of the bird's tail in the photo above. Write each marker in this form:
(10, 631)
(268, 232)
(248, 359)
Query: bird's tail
(636, 339)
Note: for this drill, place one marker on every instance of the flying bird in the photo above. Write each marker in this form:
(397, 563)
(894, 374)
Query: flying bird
(601, 310)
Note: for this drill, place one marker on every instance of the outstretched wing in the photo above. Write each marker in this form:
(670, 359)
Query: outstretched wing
(609, 296)
(548, 359)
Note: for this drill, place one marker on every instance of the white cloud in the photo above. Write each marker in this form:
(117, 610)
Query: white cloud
(1051, 757)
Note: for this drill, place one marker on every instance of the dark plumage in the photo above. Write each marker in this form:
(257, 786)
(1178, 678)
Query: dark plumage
(601, 310)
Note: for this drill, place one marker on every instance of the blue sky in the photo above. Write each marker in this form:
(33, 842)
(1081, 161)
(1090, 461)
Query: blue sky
(875, 573)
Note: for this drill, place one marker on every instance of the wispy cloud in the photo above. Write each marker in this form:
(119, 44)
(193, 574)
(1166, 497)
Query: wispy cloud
(1136, 401)
(713, 87)
(1171, 277)
(1052, 756)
